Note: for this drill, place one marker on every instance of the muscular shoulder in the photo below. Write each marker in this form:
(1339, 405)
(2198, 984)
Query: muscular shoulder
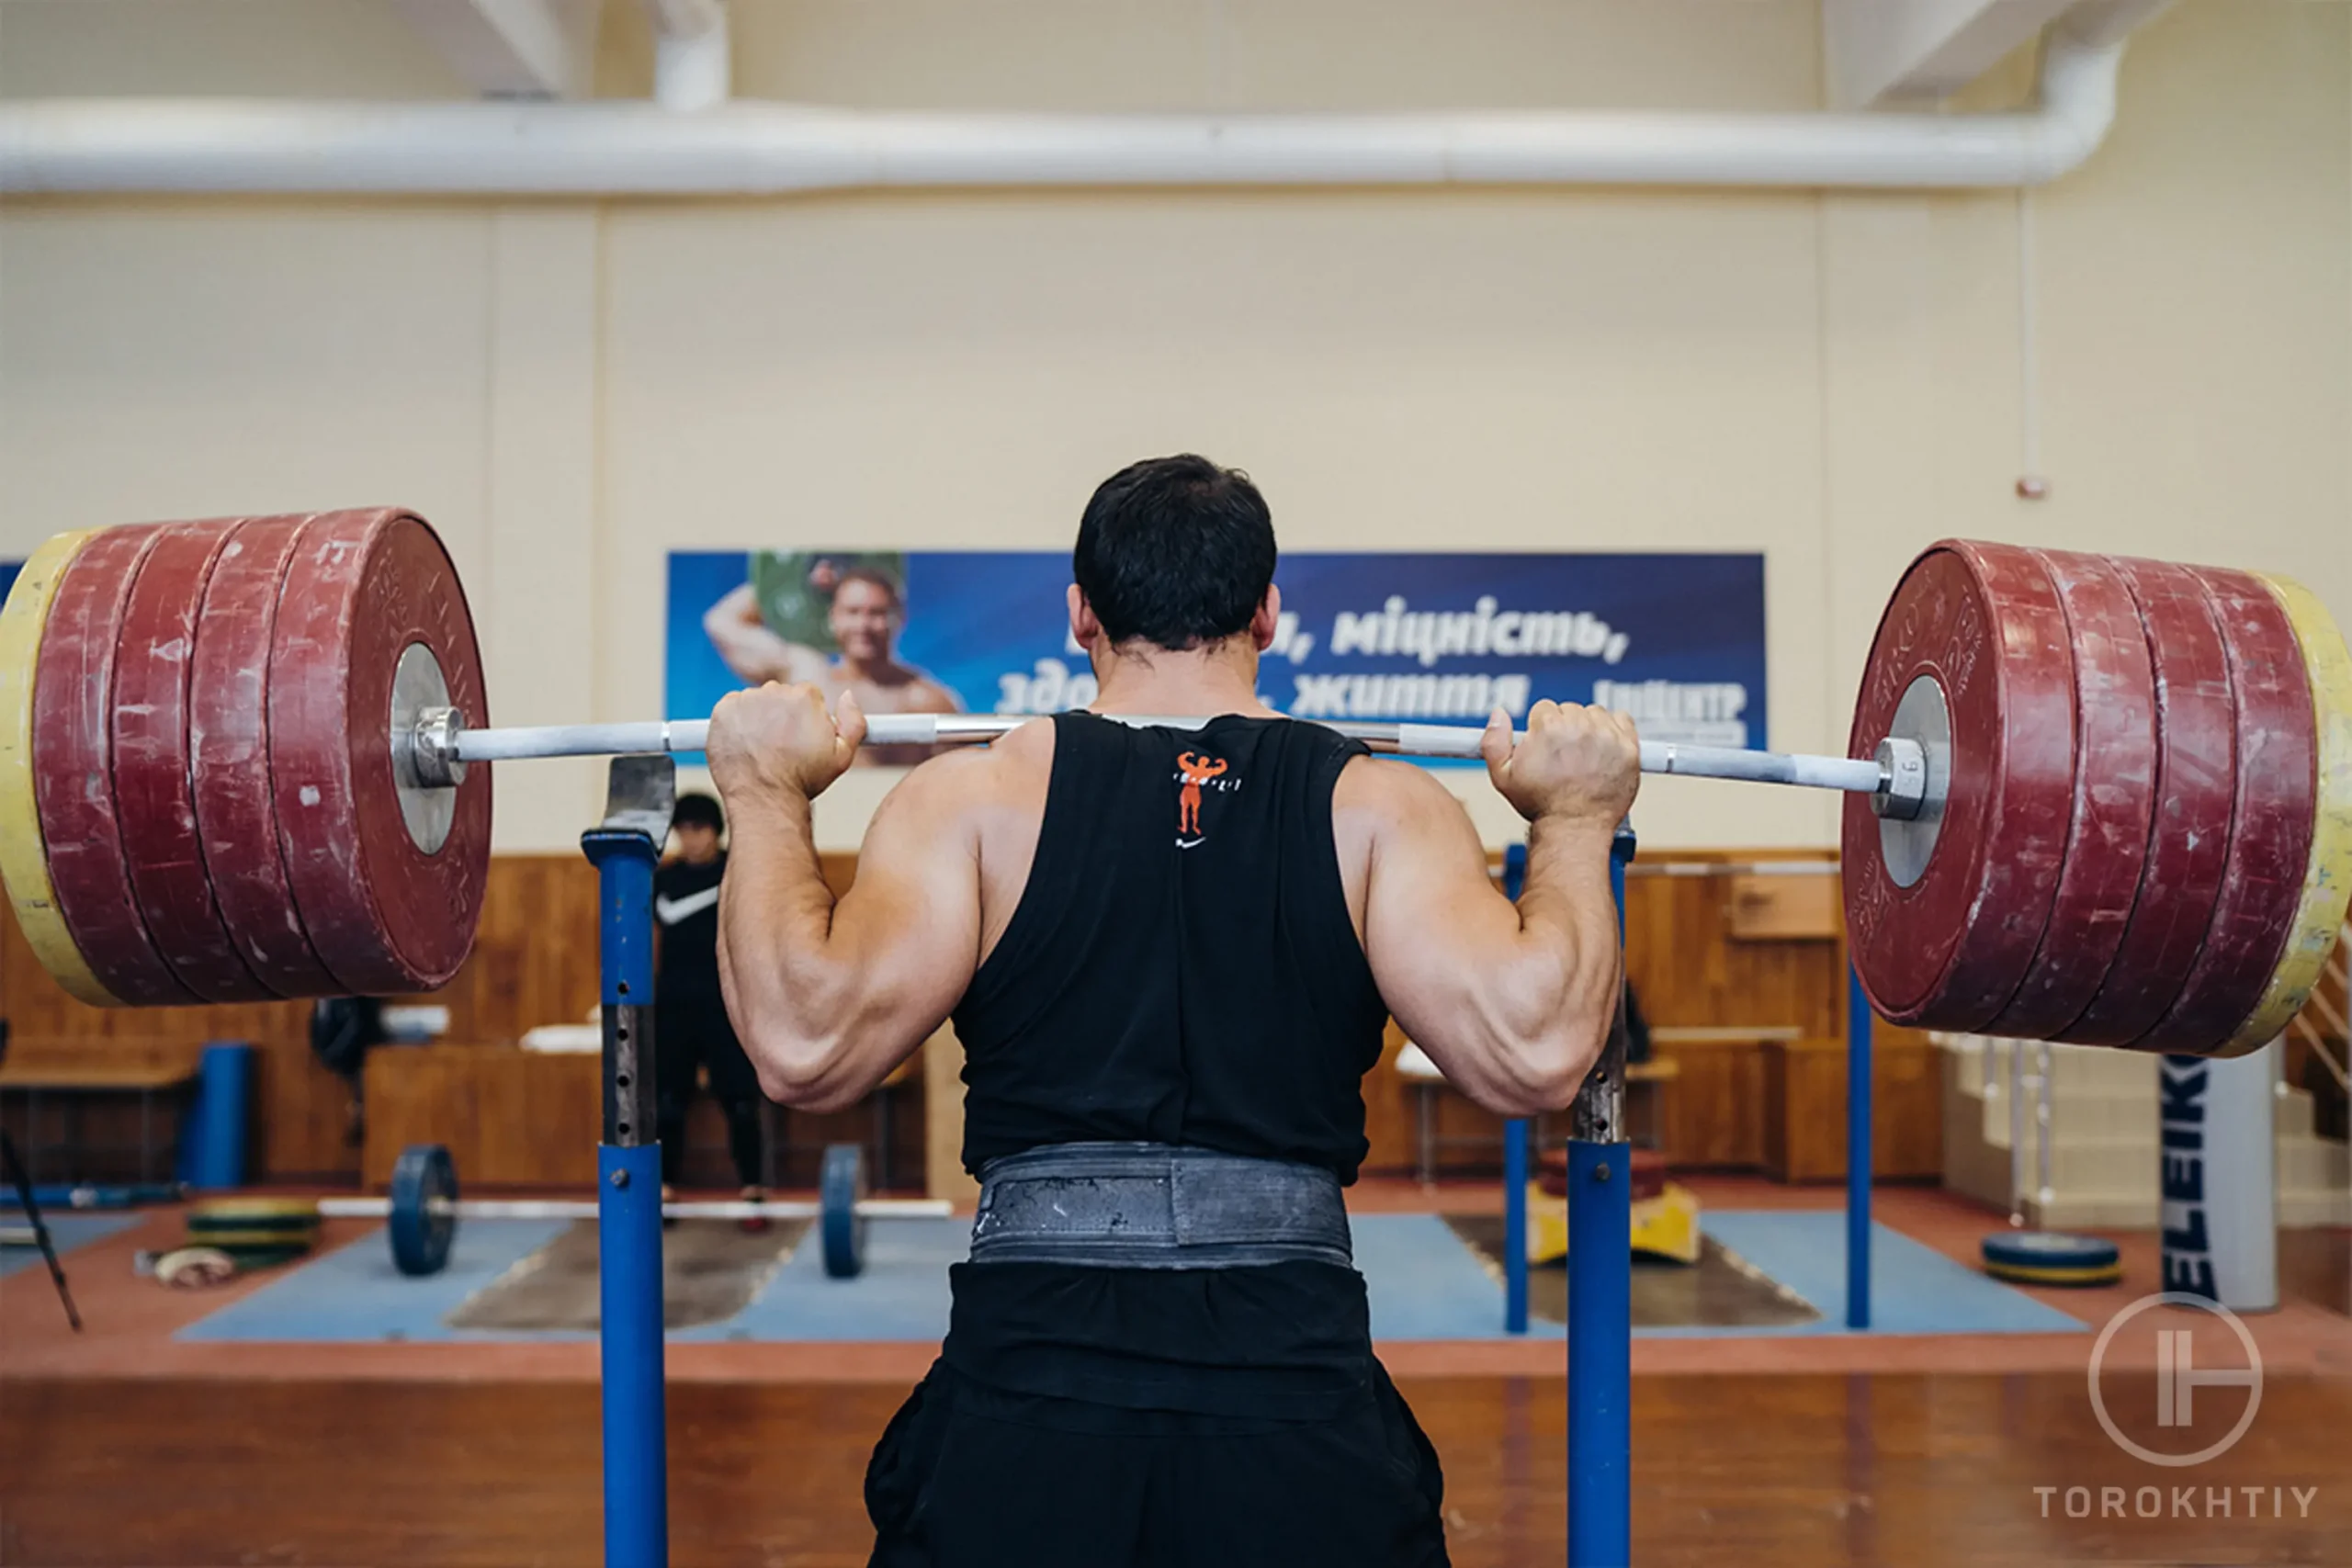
(1381, 792)
(979, 779)
(1381, 805)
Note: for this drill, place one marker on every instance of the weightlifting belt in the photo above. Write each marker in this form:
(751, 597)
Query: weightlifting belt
(1157, 1206)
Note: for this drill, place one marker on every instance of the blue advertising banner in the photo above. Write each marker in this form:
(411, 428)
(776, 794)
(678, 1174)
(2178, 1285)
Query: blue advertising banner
(9, 569)
(1676, 640)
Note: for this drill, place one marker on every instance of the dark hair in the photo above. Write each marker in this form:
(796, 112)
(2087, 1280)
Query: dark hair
(1175, 551)
(697, 811)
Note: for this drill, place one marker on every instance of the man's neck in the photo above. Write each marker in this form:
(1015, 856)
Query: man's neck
(1197, 685)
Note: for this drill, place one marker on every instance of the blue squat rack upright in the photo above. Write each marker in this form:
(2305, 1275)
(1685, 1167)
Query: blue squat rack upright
(1600, 1256)
(640, 793)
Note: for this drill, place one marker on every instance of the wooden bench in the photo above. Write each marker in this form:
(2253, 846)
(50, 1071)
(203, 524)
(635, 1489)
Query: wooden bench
(72, 1073)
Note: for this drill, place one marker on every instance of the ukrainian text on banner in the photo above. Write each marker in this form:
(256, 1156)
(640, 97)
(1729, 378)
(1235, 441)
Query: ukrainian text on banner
(1676, 640)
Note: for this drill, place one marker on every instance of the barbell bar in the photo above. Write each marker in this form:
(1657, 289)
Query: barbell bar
(440, 739)
(2094, 799)
(422, 1209)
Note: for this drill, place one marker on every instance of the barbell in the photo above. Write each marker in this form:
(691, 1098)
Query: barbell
(421, 1208)
(2092, 798)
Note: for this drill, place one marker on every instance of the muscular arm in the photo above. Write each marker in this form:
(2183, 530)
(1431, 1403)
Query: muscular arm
(1512, 1002)
(828, 995)
(754, 650)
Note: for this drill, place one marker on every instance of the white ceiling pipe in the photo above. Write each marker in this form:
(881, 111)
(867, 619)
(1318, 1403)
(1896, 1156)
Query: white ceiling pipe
(693, 64)
(765, 148)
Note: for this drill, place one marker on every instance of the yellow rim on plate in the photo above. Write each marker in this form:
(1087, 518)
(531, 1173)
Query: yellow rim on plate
(24, 856)
(2099, 1274)
(2327, 876)
(255, 1210)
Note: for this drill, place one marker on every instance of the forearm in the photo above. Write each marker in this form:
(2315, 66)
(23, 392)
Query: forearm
(1570, 972)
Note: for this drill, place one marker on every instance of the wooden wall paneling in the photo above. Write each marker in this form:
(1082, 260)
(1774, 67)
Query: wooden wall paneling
(537, 1117)
(413, 1097)
(534, 961)
(1389, 1108)
(1906, 1106)
(1712, 1115)
(942, 1098)
(1687, 971)
(1782, 907)
(1805, 1099)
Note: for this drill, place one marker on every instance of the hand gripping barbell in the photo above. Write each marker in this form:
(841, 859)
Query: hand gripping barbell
(2092, 798)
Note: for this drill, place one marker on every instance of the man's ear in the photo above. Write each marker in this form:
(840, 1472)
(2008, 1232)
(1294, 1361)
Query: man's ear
(1083, 626)
(1268, 617)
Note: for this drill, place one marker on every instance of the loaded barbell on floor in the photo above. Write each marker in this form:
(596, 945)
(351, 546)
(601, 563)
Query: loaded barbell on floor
(422, 1209)
(2092, 798)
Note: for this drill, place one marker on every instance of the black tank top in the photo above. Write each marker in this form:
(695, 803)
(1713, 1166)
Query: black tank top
(1181, 966)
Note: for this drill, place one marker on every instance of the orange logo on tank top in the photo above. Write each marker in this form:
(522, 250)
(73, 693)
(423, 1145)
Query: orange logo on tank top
(1195, 772)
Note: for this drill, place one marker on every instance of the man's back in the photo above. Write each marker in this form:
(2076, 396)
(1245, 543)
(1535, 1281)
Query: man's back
(1172, 952)
(1181, 965)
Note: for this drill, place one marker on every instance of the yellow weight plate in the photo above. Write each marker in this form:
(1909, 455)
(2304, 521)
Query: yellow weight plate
(254, 1209)
(2019, 1274)
(2327, 876)
(235, 1242)
(23, 856)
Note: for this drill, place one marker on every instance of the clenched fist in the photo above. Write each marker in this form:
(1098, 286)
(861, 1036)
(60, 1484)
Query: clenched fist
(1574, 762)
(779, 737)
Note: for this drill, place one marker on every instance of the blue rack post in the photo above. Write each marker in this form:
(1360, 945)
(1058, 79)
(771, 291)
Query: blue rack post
(628, 1168)
(1600, 1285)
(1859, 1019)
(1515, 1153)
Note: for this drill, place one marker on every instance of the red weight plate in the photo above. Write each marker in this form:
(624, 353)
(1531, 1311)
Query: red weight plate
(1983, 621)
(2115, 790)
(385, 916)
(228, 759)
(74, 698)
(2189, 834)
(2270, 840)
(154, 800)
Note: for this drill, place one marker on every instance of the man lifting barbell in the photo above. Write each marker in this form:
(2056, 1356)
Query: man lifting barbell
(1171, 957)
(2092, 798)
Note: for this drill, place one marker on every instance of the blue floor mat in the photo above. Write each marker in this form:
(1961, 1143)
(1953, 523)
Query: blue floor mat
(1914, 1288)
(1423, 1283)
(902, 1295)
(355, 1293)
(66, 1232)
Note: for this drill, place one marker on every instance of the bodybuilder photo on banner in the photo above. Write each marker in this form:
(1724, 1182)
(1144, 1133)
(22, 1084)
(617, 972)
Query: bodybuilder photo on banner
(831, 620)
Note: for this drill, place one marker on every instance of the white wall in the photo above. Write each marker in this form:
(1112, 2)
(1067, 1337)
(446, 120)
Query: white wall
(570, 390)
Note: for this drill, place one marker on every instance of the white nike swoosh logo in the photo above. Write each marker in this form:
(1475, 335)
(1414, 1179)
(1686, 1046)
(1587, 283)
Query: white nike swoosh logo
(673, 910)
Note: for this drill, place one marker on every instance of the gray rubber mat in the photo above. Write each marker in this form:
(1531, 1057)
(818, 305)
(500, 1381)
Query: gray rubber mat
(1722, 1290)
(710, 1270)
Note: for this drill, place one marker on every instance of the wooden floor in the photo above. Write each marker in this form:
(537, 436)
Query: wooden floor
(1753, 1470)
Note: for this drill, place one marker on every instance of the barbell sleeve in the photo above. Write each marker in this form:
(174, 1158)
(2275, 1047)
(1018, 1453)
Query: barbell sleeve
(1859, 775)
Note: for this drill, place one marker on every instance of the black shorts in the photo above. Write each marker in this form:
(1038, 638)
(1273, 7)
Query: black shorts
(968, 1476)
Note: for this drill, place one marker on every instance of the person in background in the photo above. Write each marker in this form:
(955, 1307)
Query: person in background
(866, 615)
(691, 1028)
